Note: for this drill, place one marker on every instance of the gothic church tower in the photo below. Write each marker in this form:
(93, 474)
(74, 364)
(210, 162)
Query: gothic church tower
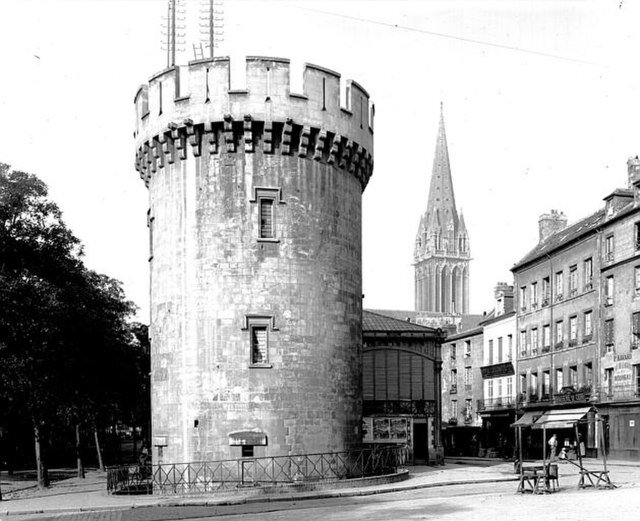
(441, 257)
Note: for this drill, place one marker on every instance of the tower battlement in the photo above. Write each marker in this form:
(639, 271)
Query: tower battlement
(194, 104)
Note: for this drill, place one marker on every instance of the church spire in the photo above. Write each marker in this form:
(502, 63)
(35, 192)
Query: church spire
(442, 255)
(441, 197)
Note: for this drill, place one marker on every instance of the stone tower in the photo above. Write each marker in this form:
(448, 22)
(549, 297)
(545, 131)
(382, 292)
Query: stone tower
(441, 257)
(256, 292)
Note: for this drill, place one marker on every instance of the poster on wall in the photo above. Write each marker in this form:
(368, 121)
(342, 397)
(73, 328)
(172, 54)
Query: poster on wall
(386, 430)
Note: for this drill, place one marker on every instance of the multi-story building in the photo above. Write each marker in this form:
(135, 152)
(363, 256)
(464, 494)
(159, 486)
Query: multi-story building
(497, 405)
(462, 384)
(578, 320)
(401, 385)
(557, 309)
(619, 368)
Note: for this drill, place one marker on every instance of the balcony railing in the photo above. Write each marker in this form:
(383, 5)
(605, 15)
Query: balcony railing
(453, 389)
(492, 404)
(206, 477)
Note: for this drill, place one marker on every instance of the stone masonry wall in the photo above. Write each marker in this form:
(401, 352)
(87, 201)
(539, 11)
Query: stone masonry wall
(210, 273)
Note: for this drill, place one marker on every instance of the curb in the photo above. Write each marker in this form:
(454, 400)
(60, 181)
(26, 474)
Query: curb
(254, 499)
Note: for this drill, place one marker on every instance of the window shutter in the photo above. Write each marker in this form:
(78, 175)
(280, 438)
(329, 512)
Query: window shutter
(609, 331)
(636, 323)
(266, 218)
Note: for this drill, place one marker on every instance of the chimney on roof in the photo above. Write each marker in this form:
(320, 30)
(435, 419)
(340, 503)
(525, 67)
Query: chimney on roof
(633, 169)
(550, 223)
(503, 293)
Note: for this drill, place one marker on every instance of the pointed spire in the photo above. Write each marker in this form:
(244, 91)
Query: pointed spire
(462, 227)
(441, 197)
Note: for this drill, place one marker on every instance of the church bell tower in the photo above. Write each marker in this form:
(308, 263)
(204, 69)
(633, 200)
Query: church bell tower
(442, 254)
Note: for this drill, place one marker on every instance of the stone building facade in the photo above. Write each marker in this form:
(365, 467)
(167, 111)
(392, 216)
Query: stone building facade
(462, 388)
(442, 253)
(619, 368)
(578, 321)
(497, 405)
(256, 292)
(401, 386)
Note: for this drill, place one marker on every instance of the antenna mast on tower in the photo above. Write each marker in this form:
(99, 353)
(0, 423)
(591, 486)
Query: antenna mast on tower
(211, 27)
(174, 22)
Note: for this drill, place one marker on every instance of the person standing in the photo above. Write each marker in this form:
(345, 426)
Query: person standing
(553, 445)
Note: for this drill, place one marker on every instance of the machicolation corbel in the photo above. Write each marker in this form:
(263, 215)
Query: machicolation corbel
(335, 147)
(267, 138)
(248, 133)
(320, 144)
(286, 136)
(229, 143)
(304, 141)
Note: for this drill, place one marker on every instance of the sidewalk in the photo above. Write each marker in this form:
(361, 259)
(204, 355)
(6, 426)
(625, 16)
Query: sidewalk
(77, 495)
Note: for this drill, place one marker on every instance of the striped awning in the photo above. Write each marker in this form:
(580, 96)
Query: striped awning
(561, 418)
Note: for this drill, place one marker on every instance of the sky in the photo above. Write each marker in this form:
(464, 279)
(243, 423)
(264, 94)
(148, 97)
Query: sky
(540, 101)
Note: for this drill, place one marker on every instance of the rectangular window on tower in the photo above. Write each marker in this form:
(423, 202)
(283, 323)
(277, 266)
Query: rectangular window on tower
(267, 201)
(267, 228)
(259, 328)
(259, 338)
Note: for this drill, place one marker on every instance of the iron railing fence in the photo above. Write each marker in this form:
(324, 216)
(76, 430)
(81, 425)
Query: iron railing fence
(213, 476)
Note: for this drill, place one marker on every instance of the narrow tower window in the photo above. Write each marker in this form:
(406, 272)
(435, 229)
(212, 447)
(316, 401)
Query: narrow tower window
(206, 82)
(259, 338)
(160, 98)
(268, 200)
(324, 93)
(266, 219)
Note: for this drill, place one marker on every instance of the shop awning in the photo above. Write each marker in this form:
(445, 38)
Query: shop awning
(561, 418)
(526, 420)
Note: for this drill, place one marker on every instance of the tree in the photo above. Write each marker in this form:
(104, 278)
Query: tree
(68, 355)
(37, 251)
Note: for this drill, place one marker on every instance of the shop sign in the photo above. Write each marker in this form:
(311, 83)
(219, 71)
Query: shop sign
(497, 370)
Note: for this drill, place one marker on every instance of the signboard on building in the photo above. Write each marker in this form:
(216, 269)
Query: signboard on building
(497, 370)
(386, 430)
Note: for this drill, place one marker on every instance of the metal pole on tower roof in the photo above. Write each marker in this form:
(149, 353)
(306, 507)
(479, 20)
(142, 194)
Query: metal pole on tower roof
(172, 29)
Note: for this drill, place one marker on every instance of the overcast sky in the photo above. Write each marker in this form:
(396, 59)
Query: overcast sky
(541, 105)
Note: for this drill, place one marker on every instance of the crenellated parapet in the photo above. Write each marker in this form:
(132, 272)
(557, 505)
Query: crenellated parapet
(192, 110)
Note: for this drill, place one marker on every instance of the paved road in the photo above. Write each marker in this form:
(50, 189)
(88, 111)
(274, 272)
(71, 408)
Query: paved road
(484, 501)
